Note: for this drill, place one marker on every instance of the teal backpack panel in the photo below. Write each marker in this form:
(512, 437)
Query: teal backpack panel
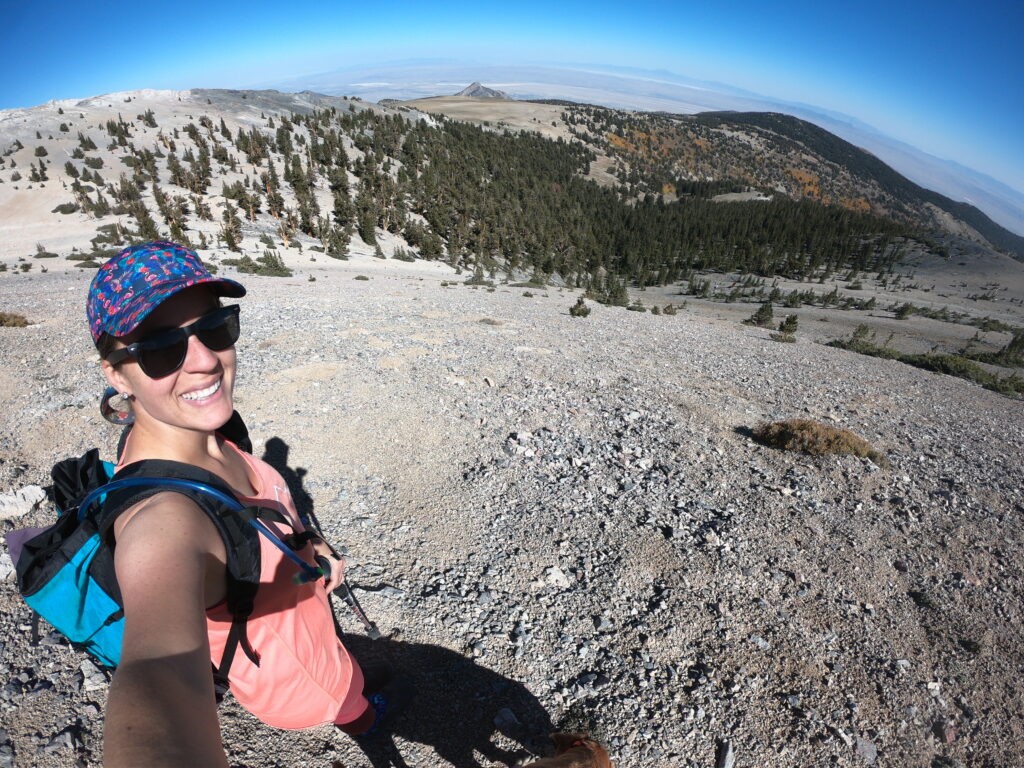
(76, 605)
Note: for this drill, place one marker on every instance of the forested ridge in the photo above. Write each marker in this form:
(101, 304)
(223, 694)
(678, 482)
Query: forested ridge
(778, 153)
(833, 148)
(483, 200)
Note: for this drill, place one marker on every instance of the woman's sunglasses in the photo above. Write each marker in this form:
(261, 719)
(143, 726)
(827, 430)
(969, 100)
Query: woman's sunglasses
(164, 353)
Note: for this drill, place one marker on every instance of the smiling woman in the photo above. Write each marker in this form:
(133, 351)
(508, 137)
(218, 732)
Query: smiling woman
(167, 345)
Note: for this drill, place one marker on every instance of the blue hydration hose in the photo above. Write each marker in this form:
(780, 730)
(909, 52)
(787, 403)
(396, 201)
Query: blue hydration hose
(307, 572)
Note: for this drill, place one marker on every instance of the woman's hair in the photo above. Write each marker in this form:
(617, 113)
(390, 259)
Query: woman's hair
(106, 344)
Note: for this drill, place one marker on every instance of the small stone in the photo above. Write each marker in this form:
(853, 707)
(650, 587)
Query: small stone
(64, 740)
(505, 719)
(867, 750)
(945, 731)
(92, 678)
(725, 757)
(554, 576)
(760, 642)
(21, 502)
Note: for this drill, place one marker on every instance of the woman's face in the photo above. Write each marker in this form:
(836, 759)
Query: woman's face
(174, 399)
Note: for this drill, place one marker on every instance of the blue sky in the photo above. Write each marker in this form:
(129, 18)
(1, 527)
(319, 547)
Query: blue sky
(946, 77)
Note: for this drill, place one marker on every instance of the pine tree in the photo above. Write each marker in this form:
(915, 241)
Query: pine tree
(366, 214)
(272, 189)
(762, 318)
(231, 229)
(146, 227)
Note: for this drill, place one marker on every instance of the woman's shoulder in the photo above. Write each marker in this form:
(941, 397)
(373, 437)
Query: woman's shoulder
(166, 514)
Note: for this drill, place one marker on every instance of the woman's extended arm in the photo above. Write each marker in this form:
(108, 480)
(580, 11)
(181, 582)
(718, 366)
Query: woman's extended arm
(162, 710)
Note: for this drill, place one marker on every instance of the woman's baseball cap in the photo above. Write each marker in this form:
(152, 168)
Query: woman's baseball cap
(133, 283)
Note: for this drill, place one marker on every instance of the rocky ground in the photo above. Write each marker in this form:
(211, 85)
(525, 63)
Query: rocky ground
(561, 522)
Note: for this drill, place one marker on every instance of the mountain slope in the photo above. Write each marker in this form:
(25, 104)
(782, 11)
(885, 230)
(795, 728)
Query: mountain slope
(862, 163)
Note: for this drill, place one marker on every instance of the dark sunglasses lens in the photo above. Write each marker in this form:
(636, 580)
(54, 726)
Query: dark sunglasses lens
(221, 333)
(160, 361)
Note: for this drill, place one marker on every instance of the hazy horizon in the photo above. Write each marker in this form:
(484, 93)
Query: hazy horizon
(927, 75)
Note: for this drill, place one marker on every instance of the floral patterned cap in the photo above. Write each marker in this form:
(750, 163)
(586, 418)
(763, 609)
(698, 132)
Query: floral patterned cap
(133, 283)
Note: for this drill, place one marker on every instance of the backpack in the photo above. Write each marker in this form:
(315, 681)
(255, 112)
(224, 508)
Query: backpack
(66, 572)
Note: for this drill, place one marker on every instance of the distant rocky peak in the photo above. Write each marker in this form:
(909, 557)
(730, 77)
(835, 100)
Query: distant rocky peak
(477, 91)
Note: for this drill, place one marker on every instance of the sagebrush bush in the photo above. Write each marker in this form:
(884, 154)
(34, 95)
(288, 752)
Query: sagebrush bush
(12, 320)
(814, 438)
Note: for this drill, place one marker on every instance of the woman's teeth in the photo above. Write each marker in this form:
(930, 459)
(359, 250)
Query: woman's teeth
(200, 394)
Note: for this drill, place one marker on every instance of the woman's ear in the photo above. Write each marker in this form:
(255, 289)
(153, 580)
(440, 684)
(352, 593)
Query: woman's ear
(114, 377)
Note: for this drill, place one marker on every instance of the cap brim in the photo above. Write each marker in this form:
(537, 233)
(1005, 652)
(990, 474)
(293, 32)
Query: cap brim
(139, 307)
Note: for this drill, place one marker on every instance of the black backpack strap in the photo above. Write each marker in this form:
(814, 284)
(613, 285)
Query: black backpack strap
(123, 439)
(234, 429)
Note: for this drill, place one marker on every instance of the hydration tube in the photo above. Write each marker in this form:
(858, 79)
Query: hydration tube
(307, 572)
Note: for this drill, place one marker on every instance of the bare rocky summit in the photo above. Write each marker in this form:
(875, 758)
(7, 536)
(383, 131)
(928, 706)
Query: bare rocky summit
(478, 91)
(561, 522)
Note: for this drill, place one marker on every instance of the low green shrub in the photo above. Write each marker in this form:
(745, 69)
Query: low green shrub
(951, 365)
(762, 318)
(270, 264)
(579, 309)
(403, 254)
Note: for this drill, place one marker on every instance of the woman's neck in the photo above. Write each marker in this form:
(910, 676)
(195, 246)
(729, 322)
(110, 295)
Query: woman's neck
(156, 440)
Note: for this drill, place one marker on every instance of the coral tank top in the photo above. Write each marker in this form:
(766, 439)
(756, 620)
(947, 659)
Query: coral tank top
(305, 676)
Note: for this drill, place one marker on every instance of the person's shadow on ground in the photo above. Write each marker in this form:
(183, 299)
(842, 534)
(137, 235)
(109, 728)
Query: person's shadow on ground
(456, 700)
(455, 707)
(275, 453)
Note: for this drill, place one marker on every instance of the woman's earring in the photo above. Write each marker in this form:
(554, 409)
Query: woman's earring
(120, 415)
